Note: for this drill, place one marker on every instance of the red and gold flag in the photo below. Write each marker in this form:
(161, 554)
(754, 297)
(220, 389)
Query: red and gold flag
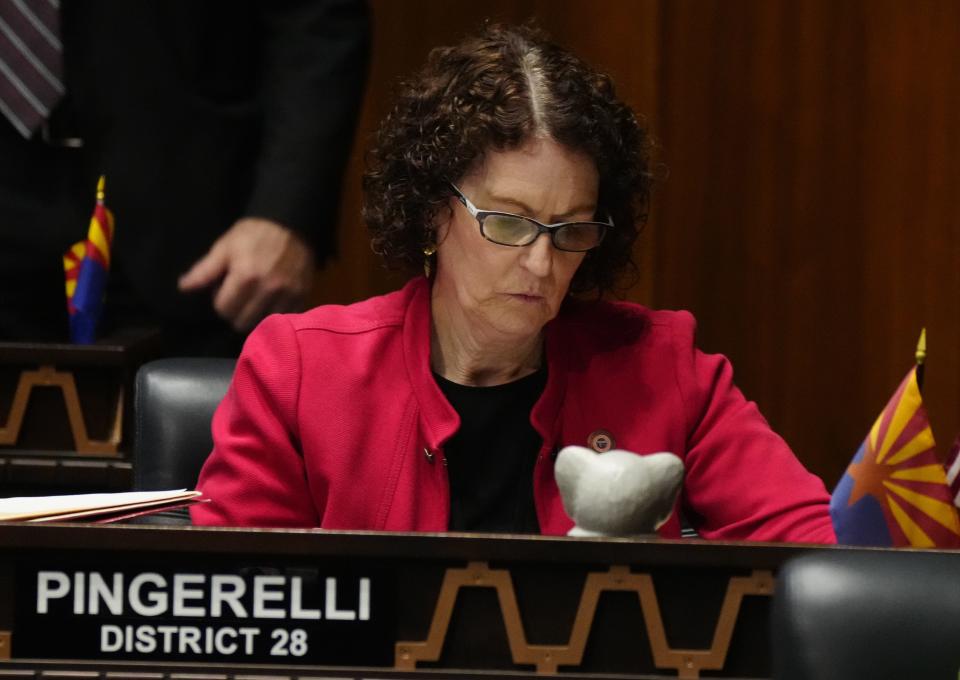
(895, 490)
(86, 267)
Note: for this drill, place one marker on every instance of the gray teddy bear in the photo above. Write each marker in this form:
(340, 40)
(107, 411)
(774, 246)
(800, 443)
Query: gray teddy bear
(617, 493)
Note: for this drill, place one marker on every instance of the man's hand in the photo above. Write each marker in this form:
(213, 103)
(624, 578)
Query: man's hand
(261, 266)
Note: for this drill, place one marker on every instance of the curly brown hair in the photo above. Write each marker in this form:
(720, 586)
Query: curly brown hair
(495, 91)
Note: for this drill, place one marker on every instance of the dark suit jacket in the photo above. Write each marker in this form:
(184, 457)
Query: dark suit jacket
(202, 112)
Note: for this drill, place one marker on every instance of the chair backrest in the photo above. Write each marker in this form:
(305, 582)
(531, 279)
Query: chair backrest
(876, 614)
(174, 402)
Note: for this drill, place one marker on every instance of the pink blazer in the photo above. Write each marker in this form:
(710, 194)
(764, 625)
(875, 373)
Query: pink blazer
(334, 420)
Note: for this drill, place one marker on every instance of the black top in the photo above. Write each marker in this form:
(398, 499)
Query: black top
(490, 459)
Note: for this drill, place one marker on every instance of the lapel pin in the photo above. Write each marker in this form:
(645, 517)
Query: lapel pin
(601, 441)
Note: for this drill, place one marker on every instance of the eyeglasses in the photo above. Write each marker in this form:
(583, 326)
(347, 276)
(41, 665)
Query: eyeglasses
(507, 229)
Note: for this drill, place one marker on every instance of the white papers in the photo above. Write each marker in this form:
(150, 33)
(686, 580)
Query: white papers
(51, 508)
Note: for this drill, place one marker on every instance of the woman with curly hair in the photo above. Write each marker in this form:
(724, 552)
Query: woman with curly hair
(511, 174)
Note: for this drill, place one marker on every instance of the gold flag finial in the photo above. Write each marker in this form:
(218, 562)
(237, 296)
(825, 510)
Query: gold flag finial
(922, 347)
(101, 187)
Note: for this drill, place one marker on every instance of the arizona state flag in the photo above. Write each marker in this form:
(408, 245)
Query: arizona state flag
(895, 493)
(86, 266)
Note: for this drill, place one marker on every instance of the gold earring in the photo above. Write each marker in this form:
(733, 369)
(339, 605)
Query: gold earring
(427, 261)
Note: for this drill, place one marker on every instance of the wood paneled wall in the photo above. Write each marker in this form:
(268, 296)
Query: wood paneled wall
(810, 216)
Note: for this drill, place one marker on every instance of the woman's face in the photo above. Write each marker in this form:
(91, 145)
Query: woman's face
(514, 291)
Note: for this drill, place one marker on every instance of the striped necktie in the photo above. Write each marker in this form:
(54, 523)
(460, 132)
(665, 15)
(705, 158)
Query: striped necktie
(31, 69)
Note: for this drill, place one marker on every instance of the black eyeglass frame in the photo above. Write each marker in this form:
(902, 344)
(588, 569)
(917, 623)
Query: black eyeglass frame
(551, 229)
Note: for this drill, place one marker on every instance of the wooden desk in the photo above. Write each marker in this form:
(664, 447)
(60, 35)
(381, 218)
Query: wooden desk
(62, 424)
(112, 602)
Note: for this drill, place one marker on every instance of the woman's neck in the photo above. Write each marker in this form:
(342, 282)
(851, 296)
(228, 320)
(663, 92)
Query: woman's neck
(469, 354)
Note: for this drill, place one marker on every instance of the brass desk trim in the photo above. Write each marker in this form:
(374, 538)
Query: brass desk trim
(6, 643)
(49, 376)
(688, 663)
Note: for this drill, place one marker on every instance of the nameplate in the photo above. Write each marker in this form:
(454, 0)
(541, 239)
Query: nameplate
(264, 613)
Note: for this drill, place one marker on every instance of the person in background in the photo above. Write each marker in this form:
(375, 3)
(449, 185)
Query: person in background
(512, 175)
(222, 128)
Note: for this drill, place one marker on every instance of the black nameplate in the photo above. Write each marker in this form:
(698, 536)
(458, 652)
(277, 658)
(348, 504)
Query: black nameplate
(253, 614)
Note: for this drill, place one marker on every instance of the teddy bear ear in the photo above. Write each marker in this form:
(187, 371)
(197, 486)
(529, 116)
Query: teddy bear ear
(572, 463)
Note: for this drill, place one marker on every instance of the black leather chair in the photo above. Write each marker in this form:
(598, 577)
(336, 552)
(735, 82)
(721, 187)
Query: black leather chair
(868, 614)
(174, 401)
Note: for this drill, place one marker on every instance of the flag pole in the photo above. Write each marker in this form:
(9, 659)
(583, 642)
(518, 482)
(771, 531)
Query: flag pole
(921, 356)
